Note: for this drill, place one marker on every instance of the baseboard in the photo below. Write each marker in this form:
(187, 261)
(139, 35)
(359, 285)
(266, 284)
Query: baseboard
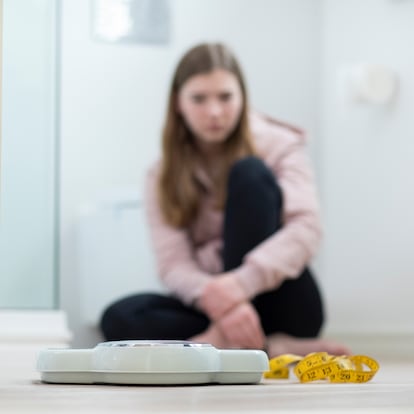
(396, 345)
(23, 334)
(34, 327)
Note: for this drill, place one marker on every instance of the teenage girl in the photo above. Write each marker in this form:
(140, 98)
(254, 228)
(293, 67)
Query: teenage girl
(234, 218)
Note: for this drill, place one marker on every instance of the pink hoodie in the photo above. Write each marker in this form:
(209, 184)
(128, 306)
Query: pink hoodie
(187, 258)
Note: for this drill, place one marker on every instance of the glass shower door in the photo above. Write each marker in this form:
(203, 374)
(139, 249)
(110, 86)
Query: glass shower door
(28, 207)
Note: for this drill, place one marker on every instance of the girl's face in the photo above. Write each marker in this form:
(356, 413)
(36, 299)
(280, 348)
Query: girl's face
(211, 104)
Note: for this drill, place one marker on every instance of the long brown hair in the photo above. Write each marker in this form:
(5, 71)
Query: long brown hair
(179, 190)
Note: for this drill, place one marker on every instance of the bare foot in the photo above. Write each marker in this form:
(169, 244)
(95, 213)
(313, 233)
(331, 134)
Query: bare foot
(278, 344)
(213, 336)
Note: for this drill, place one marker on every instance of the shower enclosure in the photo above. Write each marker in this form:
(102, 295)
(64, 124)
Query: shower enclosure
(28, 190)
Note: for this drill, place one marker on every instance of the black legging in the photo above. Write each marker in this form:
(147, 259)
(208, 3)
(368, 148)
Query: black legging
(253, 213)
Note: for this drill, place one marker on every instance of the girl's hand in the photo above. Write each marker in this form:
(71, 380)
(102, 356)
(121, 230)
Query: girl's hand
(220, 295)
(241, 327)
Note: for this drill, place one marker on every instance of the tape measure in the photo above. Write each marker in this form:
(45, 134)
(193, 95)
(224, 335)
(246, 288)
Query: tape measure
(322, 366)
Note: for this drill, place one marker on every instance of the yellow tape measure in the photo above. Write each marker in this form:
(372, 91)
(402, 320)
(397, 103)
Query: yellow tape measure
(322, 366)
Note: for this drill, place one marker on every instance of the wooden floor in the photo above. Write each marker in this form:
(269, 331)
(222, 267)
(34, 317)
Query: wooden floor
(391, 391)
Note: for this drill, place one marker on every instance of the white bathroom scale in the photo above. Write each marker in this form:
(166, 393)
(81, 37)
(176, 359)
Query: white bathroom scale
(152, 362)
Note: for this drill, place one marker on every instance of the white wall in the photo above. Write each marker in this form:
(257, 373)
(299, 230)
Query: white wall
(112, 99)
(367, 155)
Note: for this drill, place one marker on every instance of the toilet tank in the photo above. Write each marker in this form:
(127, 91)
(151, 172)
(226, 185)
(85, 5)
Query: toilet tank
(115, 257)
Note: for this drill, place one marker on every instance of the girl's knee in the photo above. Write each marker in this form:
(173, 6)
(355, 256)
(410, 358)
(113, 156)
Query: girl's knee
(248, 170)
(252, 177)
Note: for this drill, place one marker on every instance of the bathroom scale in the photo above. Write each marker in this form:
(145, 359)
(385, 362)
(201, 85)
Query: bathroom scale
(152, 362)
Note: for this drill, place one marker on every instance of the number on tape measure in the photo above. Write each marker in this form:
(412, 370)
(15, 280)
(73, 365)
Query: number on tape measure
(322, 366)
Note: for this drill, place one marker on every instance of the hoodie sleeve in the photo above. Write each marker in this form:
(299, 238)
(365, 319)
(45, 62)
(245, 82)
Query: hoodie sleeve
(177, 268)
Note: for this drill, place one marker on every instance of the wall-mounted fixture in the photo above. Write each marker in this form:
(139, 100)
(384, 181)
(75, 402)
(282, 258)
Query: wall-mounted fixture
(369, 83)
(131, 21)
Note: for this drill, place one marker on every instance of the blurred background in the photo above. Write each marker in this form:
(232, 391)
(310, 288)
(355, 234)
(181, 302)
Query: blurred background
(84, 91)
